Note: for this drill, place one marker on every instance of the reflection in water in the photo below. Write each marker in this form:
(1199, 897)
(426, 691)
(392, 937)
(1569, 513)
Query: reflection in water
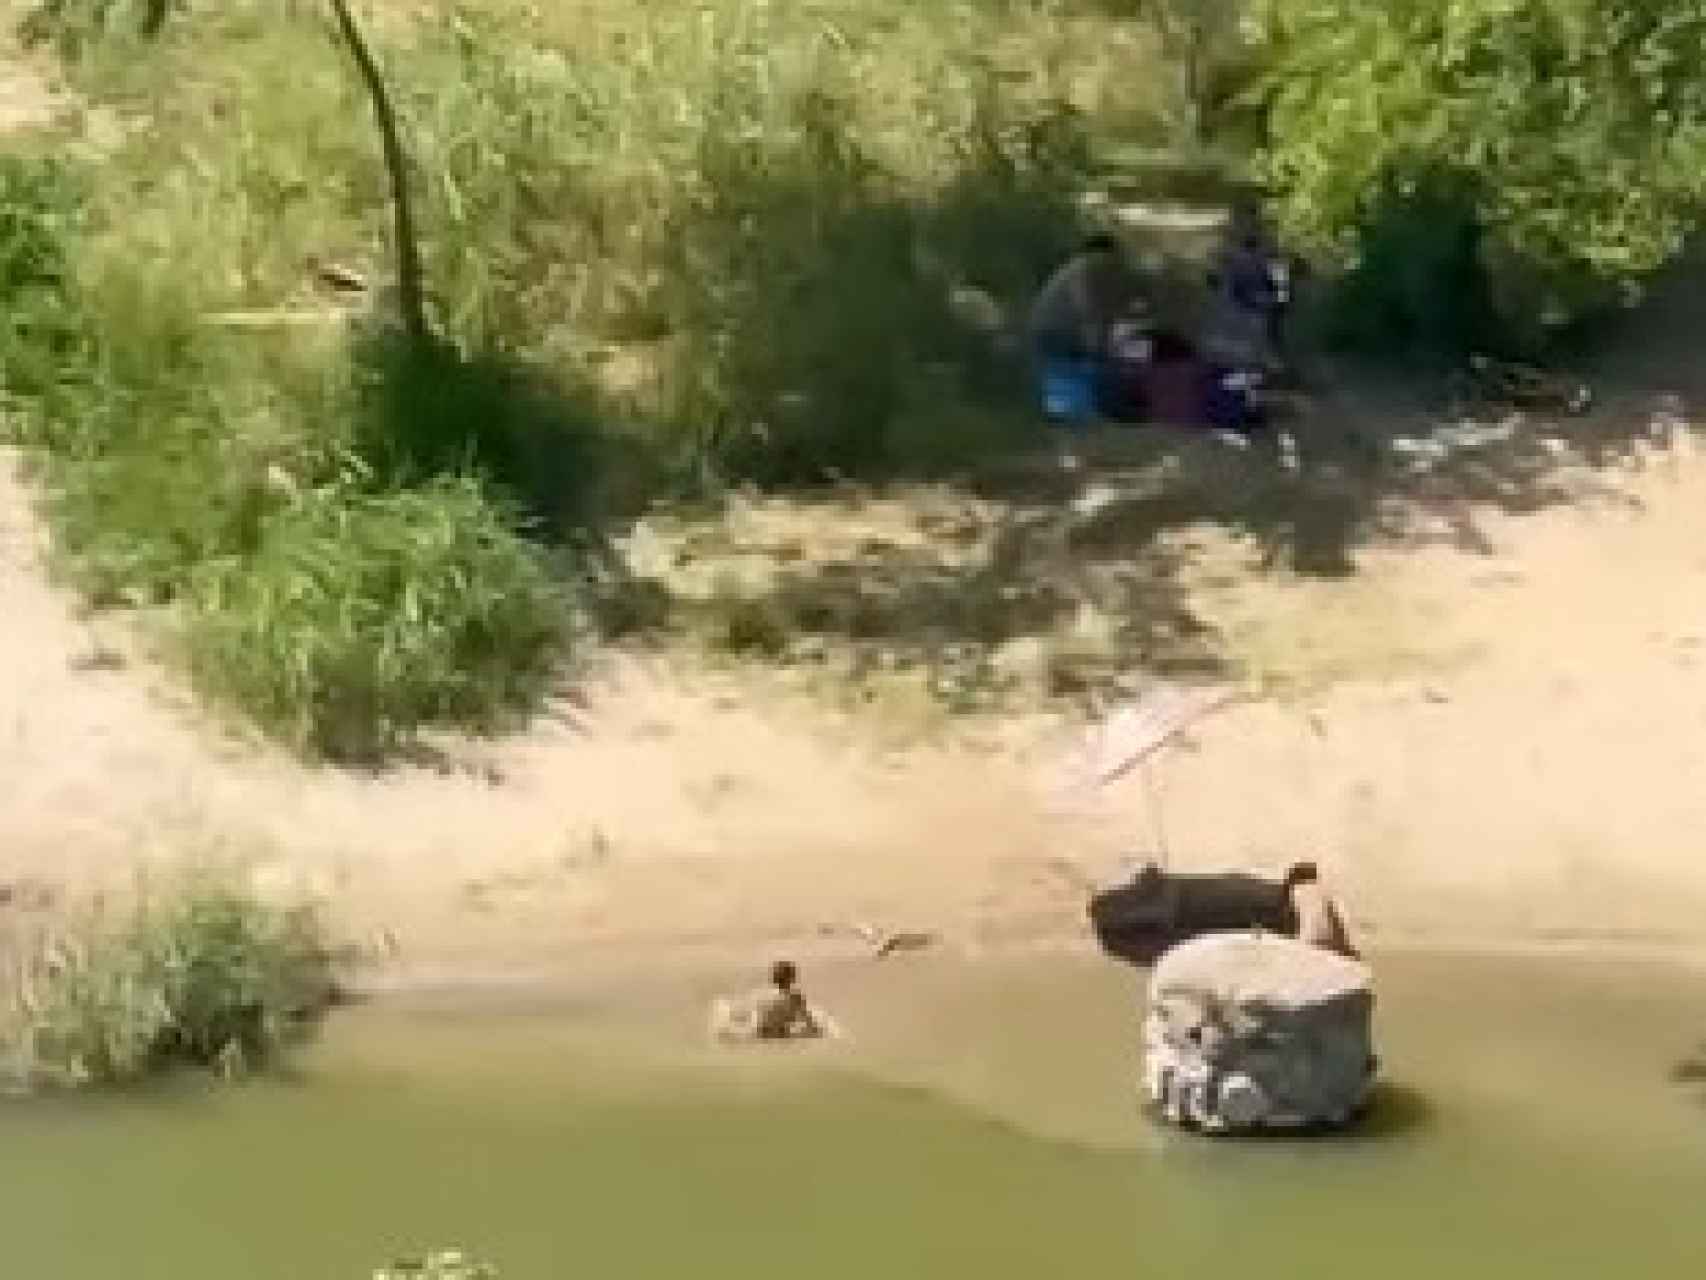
(1393, 1110)
(984, 1122)
(1692, 1069)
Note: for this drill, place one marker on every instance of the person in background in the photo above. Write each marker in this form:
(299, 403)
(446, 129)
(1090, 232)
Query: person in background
(1251, 284)
(1074, 312)
(1124, 388)
(1317, 916)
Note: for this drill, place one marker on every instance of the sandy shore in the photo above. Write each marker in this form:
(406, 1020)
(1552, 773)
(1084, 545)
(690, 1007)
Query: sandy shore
(1533, 770)
(1509, 748)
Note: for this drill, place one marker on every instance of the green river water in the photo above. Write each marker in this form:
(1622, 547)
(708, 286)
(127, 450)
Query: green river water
(983, 1123)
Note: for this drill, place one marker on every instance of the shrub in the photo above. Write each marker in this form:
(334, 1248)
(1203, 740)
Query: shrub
(362, 616)
(1419, 280)
(72, 24)
(199, 469)
(1570, 134)
(198, 974)
(815, 307)
(426, 409)
(745, 230)
(661, 254)
(43, 346)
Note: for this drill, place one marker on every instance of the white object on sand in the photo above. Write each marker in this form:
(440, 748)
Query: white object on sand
(1139, 729)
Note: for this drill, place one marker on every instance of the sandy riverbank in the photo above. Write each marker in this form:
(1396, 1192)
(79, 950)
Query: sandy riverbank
(1532, 768)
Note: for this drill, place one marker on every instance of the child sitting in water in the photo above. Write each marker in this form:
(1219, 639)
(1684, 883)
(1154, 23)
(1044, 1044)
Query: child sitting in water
(777, 1012)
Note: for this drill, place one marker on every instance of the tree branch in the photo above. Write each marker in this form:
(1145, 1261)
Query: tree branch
(411, 290)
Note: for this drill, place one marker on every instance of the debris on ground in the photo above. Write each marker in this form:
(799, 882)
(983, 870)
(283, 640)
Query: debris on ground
(884, 942)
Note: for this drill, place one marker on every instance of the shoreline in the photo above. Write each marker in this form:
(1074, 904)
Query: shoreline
(1467, 782)
(608, 967)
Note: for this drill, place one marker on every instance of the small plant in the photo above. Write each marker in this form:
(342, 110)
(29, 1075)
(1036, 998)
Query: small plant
(447, 1264)
(198, 974)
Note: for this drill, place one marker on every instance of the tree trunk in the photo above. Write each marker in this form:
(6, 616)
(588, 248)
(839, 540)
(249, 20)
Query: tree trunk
(411, 292)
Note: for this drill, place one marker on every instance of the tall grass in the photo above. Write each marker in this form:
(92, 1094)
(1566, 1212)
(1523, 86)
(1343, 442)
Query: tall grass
(197, 973)
(745, 227)
(212, 474)
(361, 615)
(665, 248)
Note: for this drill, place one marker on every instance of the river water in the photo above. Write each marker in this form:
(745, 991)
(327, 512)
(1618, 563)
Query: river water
(983, 1122)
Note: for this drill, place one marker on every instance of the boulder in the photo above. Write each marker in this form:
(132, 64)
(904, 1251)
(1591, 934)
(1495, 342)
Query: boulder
(1252, 1031)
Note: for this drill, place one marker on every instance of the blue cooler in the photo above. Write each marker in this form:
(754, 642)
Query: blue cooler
(1069, 391)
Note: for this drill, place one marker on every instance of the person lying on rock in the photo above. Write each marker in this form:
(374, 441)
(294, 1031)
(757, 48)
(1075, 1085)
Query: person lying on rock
(1318, 920)
(777, 1012)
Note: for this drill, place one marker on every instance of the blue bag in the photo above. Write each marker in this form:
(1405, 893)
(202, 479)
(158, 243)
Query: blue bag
(1069, 391)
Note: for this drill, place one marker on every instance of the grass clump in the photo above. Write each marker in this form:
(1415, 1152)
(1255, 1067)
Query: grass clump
(198, 974)
(211, 475)
(361, 616)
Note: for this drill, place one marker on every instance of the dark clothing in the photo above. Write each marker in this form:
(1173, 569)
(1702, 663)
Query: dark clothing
(1049, 345)
(1074, 312)
(784, 1015)
(1140, 920)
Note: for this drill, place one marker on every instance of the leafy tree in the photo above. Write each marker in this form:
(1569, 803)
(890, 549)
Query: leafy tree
(1567, 136)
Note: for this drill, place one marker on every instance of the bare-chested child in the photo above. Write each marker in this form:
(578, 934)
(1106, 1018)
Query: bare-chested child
(1319, 922)
(779, 1011)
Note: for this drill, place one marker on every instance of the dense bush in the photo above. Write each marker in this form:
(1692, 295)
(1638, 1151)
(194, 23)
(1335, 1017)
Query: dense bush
(198, 974)
(1564, 141)
(360, 616)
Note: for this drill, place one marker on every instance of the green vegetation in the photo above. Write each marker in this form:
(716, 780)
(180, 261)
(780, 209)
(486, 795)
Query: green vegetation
(669, 251)
(1487, 170)
(661, 255)
(362, 614)
(198, 973)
